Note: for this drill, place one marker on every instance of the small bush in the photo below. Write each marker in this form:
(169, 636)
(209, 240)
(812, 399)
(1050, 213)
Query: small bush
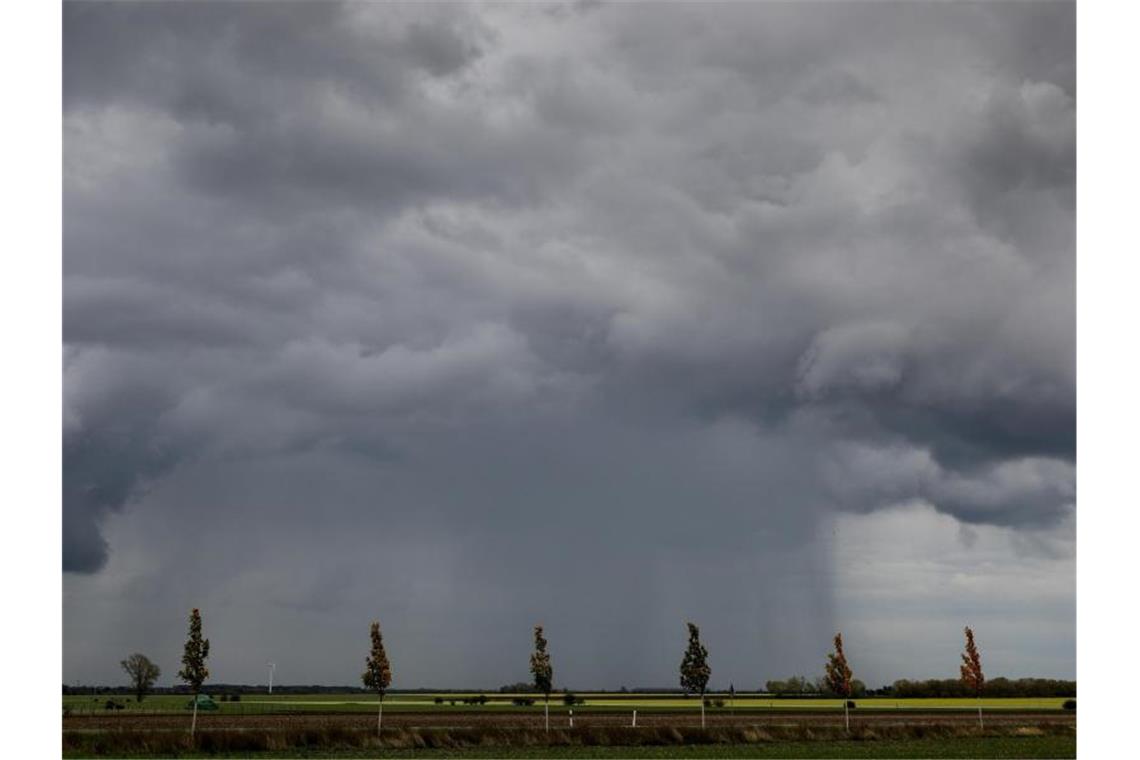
(1070, 704)
(718, 702)
(439, 700)
(850, 704)
(522, 701)
(570, 699)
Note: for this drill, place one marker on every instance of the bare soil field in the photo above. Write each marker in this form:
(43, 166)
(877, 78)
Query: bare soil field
(475, 719)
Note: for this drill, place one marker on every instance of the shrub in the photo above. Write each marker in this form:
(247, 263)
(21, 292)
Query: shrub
(439, 700)
(570, 699)
(718, 702)
(850, 704)
(1070, 704)
(522, 701)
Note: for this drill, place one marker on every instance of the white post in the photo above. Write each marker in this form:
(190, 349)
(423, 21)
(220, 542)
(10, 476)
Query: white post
(634, 724)
(571, 718)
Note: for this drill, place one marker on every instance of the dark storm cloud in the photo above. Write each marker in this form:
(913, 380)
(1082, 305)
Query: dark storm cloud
(647, 293)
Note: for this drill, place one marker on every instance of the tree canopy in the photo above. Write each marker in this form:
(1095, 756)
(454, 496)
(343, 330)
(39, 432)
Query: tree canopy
(695, 670)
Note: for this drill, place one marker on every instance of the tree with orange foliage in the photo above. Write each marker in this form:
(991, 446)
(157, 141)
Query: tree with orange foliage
(838, 676)
(971, 669)
(378, 673)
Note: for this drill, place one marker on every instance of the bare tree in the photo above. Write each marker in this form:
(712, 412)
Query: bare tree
(142, 672)
(194, 671)
(542, 670)
(971, 669)
(377, 674)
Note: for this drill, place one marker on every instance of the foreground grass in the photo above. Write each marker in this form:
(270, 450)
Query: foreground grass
(964, 747)
(1045, 740)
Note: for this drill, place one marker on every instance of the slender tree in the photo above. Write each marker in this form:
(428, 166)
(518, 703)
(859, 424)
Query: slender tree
(695, 669)
(542, 670)
(838, 676)
(194, 671)
(142, 672)
(377, 673)
(971, 669)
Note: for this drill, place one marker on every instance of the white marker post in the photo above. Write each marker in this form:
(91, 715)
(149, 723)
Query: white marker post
(634, 724)
(571, 718)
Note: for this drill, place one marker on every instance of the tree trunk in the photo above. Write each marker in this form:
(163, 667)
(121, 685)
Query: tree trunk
(981, 726)
(194, 719)
(846, 717)
(380, 716)
(547, 711)
(702, 709)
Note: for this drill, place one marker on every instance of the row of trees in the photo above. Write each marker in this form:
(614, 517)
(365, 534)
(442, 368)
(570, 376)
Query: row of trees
(143, 673)
(694, 672)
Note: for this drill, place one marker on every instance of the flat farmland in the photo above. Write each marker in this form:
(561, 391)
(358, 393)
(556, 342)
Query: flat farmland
(344, 725)
(560, 719)
(254, 704)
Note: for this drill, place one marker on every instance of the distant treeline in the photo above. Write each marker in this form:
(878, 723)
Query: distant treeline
(995, 687)
(798, 686)
(220, 688)
(795, 687)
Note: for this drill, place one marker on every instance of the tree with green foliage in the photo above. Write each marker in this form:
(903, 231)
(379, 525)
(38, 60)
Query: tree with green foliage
(542, 670)
(377, 672)
(142, 672)
(971, 669)
(695, 670)
(838, 676)
(194, 671)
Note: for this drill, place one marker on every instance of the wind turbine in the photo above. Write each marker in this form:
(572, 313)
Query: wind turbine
(272, 667)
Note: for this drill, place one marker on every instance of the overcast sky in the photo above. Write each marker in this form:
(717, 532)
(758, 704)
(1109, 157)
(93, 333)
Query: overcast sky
(607, 317)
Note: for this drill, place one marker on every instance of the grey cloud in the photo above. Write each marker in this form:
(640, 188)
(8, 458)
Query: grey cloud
(661, 289)
(1022, 491)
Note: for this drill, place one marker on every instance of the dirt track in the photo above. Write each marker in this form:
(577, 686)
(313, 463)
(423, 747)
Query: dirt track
(456, 720)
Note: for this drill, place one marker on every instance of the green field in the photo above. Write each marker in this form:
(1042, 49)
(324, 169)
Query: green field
(251, 704)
